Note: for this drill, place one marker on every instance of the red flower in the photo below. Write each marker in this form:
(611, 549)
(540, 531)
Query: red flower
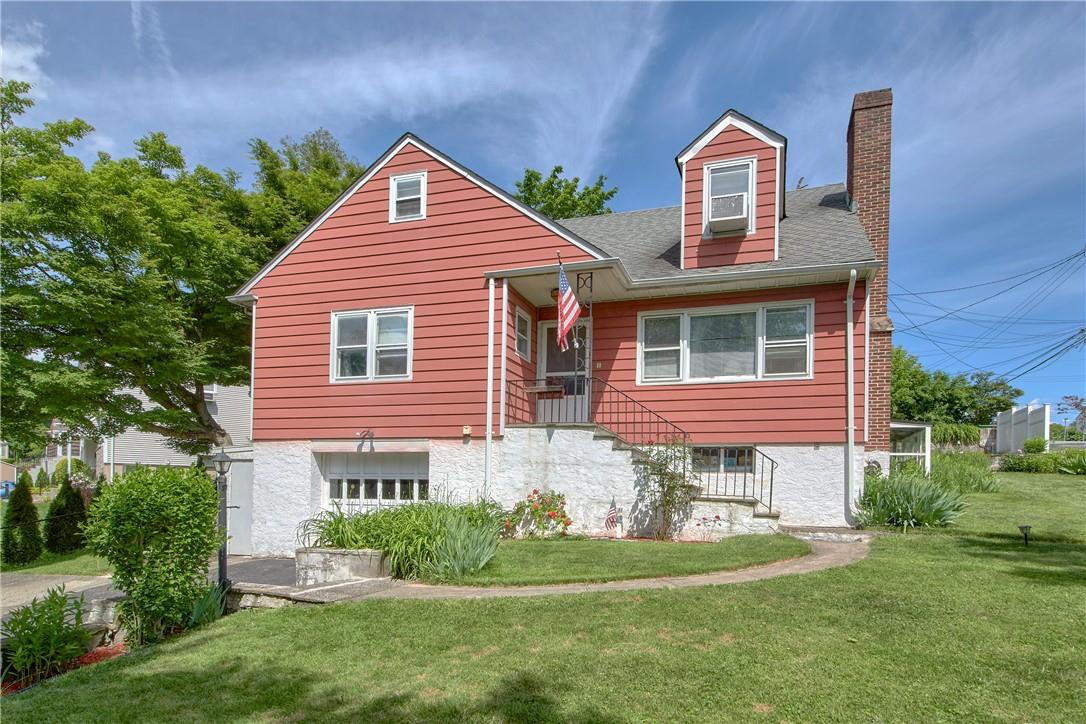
(567, 521)
(535, 506)
(718, 517)
(535, 492)
(552, 514)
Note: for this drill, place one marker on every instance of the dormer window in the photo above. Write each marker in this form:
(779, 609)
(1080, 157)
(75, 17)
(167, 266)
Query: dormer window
(407, 197)
(729, 196)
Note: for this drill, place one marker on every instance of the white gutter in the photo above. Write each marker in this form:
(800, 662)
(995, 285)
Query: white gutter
(505, 355)
(489, 384)
(850, 401)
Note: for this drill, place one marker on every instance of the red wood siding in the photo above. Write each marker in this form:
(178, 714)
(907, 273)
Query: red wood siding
(356, 259)
(777, 411)
(699, 252)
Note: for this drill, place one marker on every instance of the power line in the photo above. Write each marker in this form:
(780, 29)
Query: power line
(1076, 341)
(994, 281)
(952, 312)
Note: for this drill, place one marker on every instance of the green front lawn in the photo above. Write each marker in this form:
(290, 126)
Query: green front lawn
(535, 562)
(930, 627)
(1055, 505)
(78, 563)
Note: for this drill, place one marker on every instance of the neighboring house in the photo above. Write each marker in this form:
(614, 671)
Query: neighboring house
(60, 446)
(228, 405)
(404, 342)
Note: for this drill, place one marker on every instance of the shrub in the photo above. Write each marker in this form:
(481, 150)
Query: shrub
(955, 433)
(1073, 465)
(22, 542)
(41, 482)
(905, 499)
(1035, 445)
(965, 472)
(1028, 463)
(43, 636)
(670, 484)
(464, 549)
(157, 529)
(410, 535)
(64, 522)
(542, 514)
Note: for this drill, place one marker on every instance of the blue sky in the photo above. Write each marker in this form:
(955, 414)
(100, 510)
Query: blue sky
(989, 175)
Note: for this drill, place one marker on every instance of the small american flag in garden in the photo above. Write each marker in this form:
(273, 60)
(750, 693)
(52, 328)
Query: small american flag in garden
(612, 517)
(569, 309)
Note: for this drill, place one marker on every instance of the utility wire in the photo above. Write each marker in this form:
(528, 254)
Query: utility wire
(952, 312)
(994, 281)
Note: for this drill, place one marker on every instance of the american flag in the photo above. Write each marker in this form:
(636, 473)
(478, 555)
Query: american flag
(612, 517)
(569, 309)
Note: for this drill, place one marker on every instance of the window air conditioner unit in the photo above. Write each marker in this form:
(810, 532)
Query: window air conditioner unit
(728, 212)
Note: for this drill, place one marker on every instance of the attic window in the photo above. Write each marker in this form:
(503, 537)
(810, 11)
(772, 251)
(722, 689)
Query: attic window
(729, 196)
(407, 197)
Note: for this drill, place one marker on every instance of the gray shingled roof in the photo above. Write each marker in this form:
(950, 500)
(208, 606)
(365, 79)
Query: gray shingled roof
(819, 229)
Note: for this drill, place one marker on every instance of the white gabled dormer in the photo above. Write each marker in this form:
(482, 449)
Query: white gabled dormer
(733, 193)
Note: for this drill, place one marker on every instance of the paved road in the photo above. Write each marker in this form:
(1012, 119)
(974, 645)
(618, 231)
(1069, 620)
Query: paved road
(18, 589)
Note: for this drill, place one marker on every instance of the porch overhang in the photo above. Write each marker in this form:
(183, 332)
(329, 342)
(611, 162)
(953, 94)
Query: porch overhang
(612, 282)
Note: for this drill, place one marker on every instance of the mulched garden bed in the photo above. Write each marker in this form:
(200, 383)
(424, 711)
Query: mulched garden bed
(102, 653)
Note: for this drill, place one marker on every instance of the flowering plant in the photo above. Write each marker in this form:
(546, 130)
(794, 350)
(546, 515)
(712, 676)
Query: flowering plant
(541, 514)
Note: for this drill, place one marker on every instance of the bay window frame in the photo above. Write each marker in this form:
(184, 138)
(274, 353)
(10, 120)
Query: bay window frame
(760, 344)
(371, 345)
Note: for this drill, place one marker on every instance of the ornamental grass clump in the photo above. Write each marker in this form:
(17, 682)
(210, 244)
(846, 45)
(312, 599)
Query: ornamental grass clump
(907, 499)
(412, 536)
(966, 472)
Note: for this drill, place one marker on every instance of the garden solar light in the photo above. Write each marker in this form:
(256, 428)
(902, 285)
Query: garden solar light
(1025, 532)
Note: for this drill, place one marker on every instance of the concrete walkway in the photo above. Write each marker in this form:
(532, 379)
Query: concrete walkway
(825, 554)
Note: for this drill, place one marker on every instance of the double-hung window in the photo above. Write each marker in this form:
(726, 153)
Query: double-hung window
(524, 334)
(407, 197)
(371, 345)
(726, 344)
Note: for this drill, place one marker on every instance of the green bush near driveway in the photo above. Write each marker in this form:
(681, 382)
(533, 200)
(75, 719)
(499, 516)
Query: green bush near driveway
(44, 635)
(64, 523)
(158, 530)
(907, 499)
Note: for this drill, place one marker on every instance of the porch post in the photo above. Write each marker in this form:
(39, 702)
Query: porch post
(489, 384)
(505, 354)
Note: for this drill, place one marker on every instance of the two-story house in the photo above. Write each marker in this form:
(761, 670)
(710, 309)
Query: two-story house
(404, 343)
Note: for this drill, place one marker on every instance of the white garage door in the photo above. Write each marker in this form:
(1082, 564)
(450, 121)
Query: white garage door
(367, 481)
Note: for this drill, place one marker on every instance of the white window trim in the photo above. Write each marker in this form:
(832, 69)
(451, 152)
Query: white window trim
(210, 391)
(521, 314)
(392, 186)
(371, 345)
(752, 200)
(759, 357)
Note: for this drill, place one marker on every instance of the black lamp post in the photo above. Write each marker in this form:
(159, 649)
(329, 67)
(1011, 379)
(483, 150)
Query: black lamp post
(1025, 532)
(220, 463)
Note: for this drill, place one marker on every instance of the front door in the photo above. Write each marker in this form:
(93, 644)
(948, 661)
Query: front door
(569, 370)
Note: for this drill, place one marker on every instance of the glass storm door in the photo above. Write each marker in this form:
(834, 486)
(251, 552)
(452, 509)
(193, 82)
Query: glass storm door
(569, 371)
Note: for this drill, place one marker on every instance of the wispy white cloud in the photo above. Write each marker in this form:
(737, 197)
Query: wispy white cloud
(527, 85)
(21, 49)
(150, 41)
(969, 109)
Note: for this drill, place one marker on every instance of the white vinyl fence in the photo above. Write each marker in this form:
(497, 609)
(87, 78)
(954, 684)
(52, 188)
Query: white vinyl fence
(1015, 426)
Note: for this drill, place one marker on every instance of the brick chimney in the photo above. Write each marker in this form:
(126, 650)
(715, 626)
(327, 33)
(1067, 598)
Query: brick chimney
(868, 183)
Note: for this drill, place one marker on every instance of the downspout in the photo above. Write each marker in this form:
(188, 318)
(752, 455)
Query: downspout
(489, 385)
(850, 398)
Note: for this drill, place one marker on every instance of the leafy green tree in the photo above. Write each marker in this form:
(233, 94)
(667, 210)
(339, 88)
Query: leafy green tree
(21, 542)
(295, 183)
(935, 396)
(63, 524)
(116, 276)
(41, 482)
(562, 198)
